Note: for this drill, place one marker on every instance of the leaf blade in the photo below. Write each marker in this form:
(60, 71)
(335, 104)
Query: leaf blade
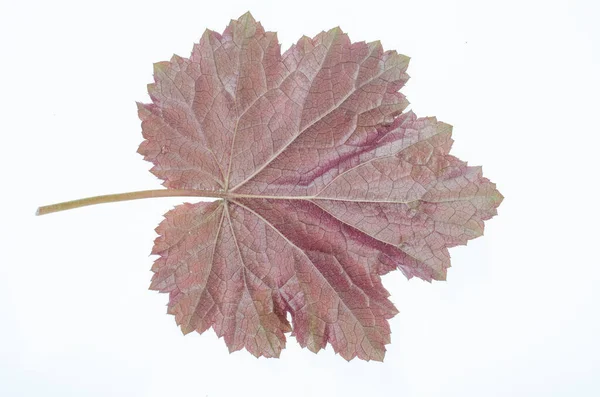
(327, 186)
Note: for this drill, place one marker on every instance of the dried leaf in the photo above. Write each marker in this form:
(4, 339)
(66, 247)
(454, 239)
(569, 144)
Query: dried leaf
(326, 186)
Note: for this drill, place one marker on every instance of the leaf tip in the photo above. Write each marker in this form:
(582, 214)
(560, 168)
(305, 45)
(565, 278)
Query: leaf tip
(187, 330)
(160, 66)
(246, 16)
(497, 197)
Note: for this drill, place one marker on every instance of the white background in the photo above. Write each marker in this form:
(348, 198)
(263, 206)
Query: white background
(519, 313)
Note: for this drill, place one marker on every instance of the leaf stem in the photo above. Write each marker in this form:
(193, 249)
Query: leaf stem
(111, 198)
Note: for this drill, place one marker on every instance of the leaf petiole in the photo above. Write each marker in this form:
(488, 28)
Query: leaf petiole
(112, 198)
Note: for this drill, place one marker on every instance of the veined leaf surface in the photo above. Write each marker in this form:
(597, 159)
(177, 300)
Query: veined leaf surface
(326, 186)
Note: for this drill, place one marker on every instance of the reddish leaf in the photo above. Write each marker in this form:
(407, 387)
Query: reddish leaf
(326, 185)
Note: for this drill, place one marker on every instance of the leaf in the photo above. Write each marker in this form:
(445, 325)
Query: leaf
(326, 186)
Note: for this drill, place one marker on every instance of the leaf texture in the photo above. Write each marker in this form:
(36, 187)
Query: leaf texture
(327, 185)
